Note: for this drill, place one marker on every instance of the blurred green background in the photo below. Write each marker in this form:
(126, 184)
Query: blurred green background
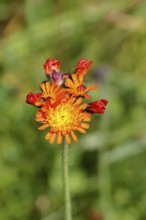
(107, 165)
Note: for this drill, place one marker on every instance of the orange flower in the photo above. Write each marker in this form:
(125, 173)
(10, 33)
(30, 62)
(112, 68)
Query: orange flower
(64, 119)
(76, 87)
(61, 104)
(52, 92)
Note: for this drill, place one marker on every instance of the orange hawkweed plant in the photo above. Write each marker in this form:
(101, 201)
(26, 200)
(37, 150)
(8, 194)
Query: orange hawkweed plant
(61, 103)
(63, 108)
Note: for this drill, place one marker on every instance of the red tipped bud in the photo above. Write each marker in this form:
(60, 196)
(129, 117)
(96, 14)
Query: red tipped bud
(33, 98)
(51, 65)
(98, 106)
(83, 66)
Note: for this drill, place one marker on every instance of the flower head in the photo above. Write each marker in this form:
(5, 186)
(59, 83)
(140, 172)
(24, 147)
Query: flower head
(63, 120)
(76, 87)
(61, 104)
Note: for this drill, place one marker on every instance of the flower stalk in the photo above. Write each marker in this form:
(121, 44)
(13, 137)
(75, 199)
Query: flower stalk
(66, 186)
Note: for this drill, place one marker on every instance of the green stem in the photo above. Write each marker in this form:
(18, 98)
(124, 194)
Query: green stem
(65, 153)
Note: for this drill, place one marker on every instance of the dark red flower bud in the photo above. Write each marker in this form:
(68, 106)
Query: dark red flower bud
(98, 106)
(83, 66)
(51, 65)
(33, 98)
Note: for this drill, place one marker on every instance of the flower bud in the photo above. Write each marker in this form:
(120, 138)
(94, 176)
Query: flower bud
(51, 65)
(33, 98)
(83, 66)
(97, 106)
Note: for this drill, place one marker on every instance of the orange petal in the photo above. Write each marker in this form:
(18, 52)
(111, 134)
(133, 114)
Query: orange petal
(69, 83)
(43, 87)
(87, 119)
(78, 101)
(43, 127)
(75, 79)
(68, 140)
(80, 129)
(60, 94)
(91, 88)
(47, 87)
(87, 116)
(52, 138)
(81, 78)
(56, 89)
(83, 106)
(74, 136)
(71, 91)
(87, 96)
(59, 139)
(85, 125)
(39, 103)
(39, 118)
(53, 86)
(48, 135)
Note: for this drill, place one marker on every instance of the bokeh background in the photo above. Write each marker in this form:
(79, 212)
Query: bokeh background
(107, 165)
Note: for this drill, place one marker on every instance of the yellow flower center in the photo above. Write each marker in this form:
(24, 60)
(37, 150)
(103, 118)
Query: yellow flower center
(64, 117)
